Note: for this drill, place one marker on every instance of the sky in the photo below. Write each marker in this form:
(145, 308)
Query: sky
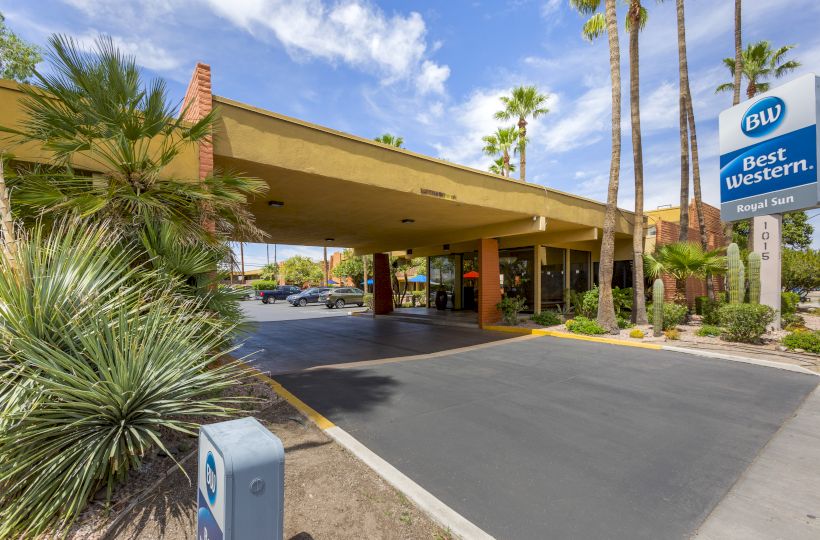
(432, 72)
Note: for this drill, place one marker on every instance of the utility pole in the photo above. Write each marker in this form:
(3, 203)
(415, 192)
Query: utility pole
(324, 248)
(267, 252)
(242, 259)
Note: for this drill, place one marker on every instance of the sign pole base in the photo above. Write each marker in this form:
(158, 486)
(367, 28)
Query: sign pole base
(766, 240)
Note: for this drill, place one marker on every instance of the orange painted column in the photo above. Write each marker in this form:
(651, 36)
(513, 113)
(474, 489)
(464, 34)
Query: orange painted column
(382, 288)
(489, 286)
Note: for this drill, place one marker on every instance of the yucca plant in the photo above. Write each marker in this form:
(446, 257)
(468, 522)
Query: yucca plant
(95, 365)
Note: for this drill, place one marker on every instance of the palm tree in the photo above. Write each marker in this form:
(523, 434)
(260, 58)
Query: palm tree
(522, 103)
(597, 25)
(497, 167)
(501, 142)
(759, 62)
(683, 260)
(269, 272)
(96, 104)
(738, 67)
(635, 22)
(390, 140)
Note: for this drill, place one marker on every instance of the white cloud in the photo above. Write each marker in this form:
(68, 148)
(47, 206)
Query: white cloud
(432, 78)
(351, 31)
(147, 54)
(659, 110)
(585, 124)
(550, 8)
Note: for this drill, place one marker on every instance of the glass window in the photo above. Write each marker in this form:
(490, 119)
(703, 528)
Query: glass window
(469, 281)
(579, 268)
(552, 276)
(516, 267)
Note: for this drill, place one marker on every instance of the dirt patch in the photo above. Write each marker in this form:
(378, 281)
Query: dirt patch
(329, 494)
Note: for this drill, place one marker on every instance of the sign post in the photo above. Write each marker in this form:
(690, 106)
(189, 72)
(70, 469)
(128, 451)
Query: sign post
(769, 149)
(241, 482)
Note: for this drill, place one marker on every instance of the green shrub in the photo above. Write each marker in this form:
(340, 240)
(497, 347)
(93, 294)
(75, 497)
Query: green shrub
(98, 364)
(745, 322)
(623, 322)
(788, 303)
(622, 299)
(699, 304)
(264, 285)
(709, 311)
(792, 319)
(636, 333)
(510, 307)
(803, 339)
(709, 330)
(584, 325)
(546, 318)
(673, 315)
(368, 301)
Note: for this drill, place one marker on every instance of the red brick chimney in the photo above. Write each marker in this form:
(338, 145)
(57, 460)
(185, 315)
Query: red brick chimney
(197, 103)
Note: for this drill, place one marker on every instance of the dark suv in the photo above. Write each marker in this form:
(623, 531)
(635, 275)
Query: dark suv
(279, 293)
(308, 296)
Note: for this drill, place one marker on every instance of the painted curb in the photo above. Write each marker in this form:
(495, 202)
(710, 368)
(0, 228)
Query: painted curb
(439, 512)
(566, 335)
(742, 359)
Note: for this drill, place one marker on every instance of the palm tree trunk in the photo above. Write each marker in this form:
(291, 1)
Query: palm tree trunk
(738, 54)
(684, 172)
(522, 149)
(683, 67)
(506, 169)
(6, 221)
(693, 142)
(606, 308)
(638, 298)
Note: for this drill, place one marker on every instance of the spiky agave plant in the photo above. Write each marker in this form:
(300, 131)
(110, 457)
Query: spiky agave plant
(90, 383)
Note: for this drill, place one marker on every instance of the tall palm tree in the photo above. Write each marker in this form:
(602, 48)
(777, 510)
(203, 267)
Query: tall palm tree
(522, 103)
(501, 142)
(635, 22)
(759, 62)
(497, 167)
(595, 26)
(738, 68)
(390, 140)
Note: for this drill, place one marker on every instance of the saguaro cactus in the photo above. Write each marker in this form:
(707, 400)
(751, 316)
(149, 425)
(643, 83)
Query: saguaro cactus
(741, 278)
(657, 308)
(754, 278)
(733, 273)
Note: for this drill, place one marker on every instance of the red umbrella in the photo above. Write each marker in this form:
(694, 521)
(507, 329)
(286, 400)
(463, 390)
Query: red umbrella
(471, 275)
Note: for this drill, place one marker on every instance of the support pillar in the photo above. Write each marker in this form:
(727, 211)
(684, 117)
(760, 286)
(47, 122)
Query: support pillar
(489, 285)
(382, 288)
(766, 240)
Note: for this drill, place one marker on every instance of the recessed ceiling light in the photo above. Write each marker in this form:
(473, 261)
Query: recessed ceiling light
(408, 220)
(329, 239)
(276, 204)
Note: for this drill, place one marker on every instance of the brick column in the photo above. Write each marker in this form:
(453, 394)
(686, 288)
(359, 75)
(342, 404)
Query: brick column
(489, 288)
(197, 103)
(382, 288)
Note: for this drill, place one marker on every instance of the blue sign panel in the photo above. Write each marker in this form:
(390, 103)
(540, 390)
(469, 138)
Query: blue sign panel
(207, 528)
(768, 152)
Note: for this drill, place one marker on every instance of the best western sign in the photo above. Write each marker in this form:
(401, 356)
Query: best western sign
(768, 152)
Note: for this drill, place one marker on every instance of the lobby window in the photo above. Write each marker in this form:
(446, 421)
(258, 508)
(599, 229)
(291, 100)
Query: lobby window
(442, 277)
(516, 268)
(552, 276)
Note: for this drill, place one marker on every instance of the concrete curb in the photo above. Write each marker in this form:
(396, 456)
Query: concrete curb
(742, 359)
(566, 335)
(426, 501)
(442, 514)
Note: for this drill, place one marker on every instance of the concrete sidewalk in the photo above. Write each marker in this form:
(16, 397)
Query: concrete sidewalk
(778, 497)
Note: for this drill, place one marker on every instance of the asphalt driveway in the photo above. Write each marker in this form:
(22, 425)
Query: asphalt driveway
(552, 438)
(283, 338)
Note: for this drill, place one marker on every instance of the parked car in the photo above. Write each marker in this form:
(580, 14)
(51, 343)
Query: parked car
(279, 293)
(341, 296)
(308, 296)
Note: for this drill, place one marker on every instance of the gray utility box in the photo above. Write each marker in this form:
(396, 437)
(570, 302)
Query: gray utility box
(241, 482)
